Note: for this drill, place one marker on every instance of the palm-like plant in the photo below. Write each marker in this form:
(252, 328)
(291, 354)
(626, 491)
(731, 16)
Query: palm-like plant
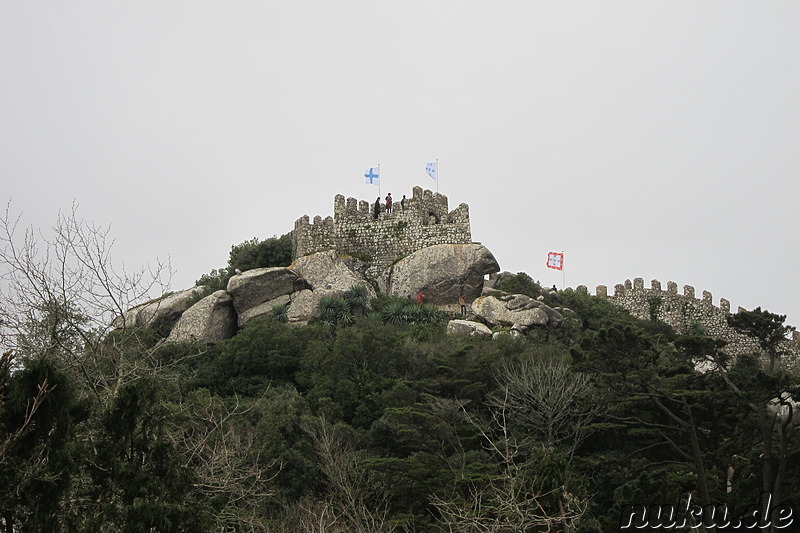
(344, 316)
(413, 313)
(430, 314)
(280, 312)
(327, 309)
(393, 313)
(373, 316)
(358, 297)
(335, 311)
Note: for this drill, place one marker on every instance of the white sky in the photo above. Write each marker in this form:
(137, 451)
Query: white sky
(653, 139)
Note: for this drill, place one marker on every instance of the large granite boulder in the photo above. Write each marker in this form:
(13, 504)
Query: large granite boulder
(512, 333)
(442, 272)
(326, 270)
(516, 310)
(467, 327)
(210, 320)
(264, 309)
(261, 285)
(305, 305)
(164, 311)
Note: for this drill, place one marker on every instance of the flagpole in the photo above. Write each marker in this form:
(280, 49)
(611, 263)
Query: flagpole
(379, 183)
(563, 273)
(437, 174)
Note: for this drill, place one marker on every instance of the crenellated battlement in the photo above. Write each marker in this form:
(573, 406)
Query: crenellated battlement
(685, 312)
(366, 230)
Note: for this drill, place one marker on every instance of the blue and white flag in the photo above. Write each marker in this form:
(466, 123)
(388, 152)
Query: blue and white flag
(433, 170)
(373, 175)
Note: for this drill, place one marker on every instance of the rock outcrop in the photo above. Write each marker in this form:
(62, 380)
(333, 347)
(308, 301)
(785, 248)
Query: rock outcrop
(443, 272)
(264, 309)
(210, 320)
(164, 311)
(261, 285)
(467, 327)
(325, 270)
(516, 310)
(326, 274)
(304, 305)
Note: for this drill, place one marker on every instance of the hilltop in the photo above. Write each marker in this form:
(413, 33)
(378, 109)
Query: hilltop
(299, 389)
(418, 246)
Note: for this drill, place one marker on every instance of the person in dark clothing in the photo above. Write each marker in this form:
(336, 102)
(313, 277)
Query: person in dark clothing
(377, 207)
(389, 203)
(403, 203)
(463, 303)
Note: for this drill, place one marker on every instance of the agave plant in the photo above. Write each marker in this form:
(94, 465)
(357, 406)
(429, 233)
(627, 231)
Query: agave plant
(414, 313)
(280, 312)
(344, 317)
(431, 314)
(328, 306)
(358, 297)
(335, 311)
(392, 313)
(373, 316)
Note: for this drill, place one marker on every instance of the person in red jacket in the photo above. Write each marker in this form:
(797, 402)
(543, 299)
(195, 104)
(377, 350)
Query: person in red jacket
(420, 297)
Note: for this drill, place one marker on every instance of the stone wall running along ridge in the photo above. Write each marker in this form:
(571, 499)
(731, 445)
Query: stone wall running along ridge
(687, 314)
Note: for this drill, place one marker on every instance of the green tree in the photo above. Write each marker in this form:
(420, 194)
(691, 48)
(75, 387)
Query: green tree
(138, 479)
(38, 466)
(255, 253)
(768, 428)
(264, 353)
(519, 283)
(767, 328)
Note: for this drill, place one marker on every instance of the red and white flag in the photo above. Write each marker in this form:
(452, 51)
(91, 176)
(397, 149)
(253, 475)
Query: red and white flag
(555, 260)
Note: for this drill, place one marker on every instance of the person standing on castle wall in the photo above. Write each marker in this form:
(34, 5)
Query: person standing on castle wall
(403, 203)
(377, 207)
(463, 303)
(389, 203)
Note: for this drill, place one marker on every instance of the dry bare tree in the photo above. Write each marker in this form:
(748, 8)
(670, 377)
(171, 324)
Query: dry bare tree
(219, 444)
(513, 500)
(547, 400)
(60, 295)
(356, 501)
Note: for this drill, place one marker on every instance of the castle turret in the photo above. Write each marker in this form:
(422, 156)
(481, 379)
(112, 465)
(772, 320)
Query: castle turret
(424, 220)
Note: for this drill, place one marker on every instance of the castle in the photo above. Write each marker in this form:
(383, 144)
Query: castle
(423, 220)
(381, 238)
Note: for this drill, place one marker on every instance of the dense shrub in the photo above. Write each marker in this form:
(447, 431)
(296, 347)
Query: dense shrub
(255, 253)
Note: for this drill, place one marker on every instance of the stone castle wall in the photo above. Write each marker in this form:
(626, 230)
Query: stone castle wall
(354, 230)
(686, 313)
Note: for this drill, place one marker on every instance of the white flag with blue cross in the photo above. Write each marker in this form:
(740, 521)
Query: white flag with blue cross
(372, 174)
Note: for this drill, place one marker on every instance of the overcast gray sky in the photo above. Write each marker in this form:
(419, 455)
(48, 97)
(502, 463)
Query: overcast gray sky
(644, 139)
